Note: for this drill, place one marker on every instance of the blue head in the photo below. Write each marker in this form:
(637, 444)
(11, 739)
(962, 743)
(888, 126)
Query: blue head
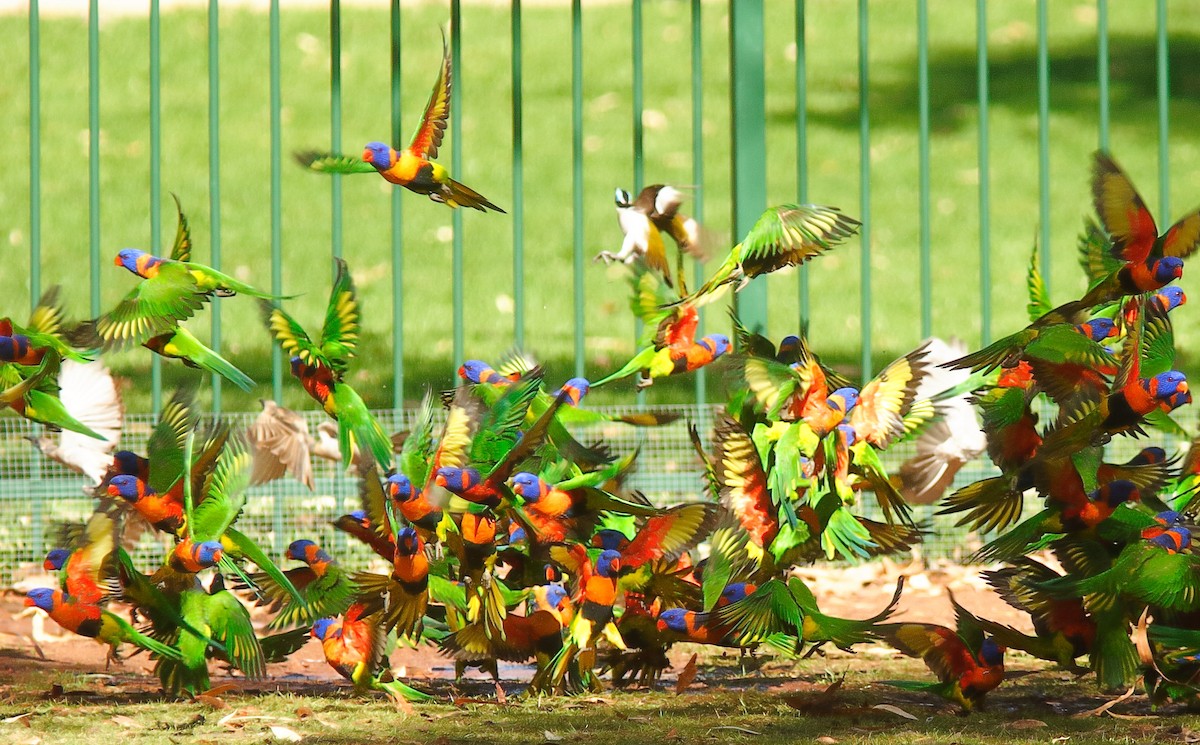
(516, 534)
(298, 550)
(127, 462)
(378, 154)
(609, 539)
(843, 399)
(1167, 518)
(324, 627)
(360, 516)
(1168, 384)
(674, 619)
(56, 559)
(737, 591)
(991, 653)
(849, 432)
(1147, 456)
(408, 543)
(473, 371)
(128, 258)
(1169, 298)
(399, 487)
(41, 597)
(608, 564)
(297, 366)
(1115, 492)
(457, 480)
(208, 553)
(717, 343)
(1167, 268)
(556, 595)
(575, 389)
(124, 486)
(529, 487)
(1098, 329)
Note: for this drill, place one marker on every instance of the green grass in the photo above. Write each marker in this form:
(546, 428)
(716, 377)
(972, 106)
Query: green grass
(789, 704)
(832, 165)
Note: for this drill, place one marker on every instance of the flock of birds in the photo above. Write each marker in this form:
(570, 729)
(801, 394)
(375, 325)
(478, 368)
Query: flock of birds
(507, 539)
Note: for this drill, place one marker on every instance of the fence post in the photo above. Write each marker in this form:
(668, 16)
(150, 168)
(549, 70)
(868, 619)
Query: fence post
(748, 119)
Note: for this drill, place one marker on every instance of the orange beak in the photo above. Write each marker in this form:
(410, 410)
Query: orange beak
(117, 261)
(366, 155)
(29, 602)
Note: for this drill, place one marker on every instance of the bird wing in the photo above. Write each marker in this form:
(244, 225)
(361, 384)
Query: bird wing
(742, 481)
(941, 650)
(669, 534)
(230, 624)
(292, 337)
(1122, 211)
(224, 493)
(339, 335)
(87, 564)
(878, 417)
(374, 501)
(790, 234)
(155, 306)
(280, 442)
(181, 249)
(332, 162)
(1096, 253)
(1039, 297)
(428, 137)
(771, 609)
(165, 446)
(90, 395)
(417, 451)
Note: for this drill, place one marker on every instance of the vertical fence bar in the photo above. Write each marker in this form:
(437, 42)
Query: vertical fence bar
(276, 194)
(923, 160)
(335, 123)
(94, 153)
(802, 143)
(1164, 108)
(214, 179)
(155, 180)
(1043, 89)
(35, 155)
(985, 214)
(518, 183)
(864, 157)
(456, 99)
(639, 165)
(397, 229)
(701, 380)
(1102, 68)
(577, 174)
(748, 142)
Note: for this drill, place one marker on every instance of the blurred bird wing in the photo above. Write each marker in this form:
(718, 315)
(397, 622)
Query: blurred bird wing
(770, 609)
(1039, 297)
(155, 306)
(1096, 253)
(280, 442)
(90, 395)
(742, 481)
(372, 497)
(941, 650)
(416, 454)
(324, 162)
(293, 338)
(1122, 211)
(224, 494)
(181, 249)
(790, 234)
(339, 334)
(89, 563)
(165, 447)
(878, 417)
(669, 534)
(428, 137)
(230, 624)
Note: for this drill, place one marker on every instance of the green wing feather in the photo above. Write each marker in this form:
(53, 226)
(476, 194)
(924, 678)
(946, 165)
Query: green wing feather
(770, 609)
(133, 636)
(325, 162)
(355, 419)
(416, 456)
(292, 337)
(166, 444)
(339, 335)
(181, 249)
(790, 234)
(155, 306)
(224, 494)
(1039, 298)
(231, 625)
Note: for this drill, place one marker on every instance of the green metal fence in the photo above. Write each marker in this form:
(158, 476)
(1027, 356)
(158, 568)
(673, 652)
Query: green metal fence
(763, 68)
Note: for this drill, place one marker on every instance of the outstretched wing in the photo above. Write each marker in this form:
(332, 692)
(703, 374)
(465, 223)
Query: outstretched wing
(428, 136)
(339, 335)
(878, 417)
(1122, 211)
(790, 234)
(181, 250)
(332, 162)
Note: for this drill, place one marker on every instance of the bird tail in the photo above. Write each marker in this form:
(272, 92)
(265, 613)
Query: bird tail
(133, 636)
(994, 355)
(215, 363)
(55, 413)
(464, 196)
(990, 504)
(398, 690)
(637, 362)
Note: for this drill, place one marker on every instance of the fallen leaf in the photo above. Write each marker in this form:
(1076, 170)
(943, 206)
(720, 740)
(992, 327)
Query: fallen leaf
(19, 718)
(125, 721)
(1026, 724)
(223, 688)
(549, 736)
(283, 734)
(686, 676)
(1141, 640)
(894, 710)
(1103, 708)
(304, 712)
(211, 701)
(501, 697)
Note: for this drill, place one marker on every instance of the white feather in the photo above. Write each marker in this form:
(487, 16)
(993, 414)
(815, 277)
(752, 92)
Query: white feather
(90, 395)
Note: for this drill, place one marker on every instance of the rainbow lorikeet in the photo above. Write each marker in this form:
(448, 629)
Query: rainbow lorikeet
(536, 635)
(569, 507)
(87, 574)
(354, 646)
(47, 329)
(414, 167)
(1125, 216)
(360, 525)
(967, 662)
(321, 368)
(785, 235)
(790, 608)
(90, 620)
(327, 589)
(705, 628)
(403, 594)
(1063, 628)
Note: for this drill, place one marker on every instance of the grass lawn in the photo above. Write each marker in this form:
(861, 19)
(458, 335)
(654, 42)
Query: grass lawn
(427, 329)
(787, 703)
